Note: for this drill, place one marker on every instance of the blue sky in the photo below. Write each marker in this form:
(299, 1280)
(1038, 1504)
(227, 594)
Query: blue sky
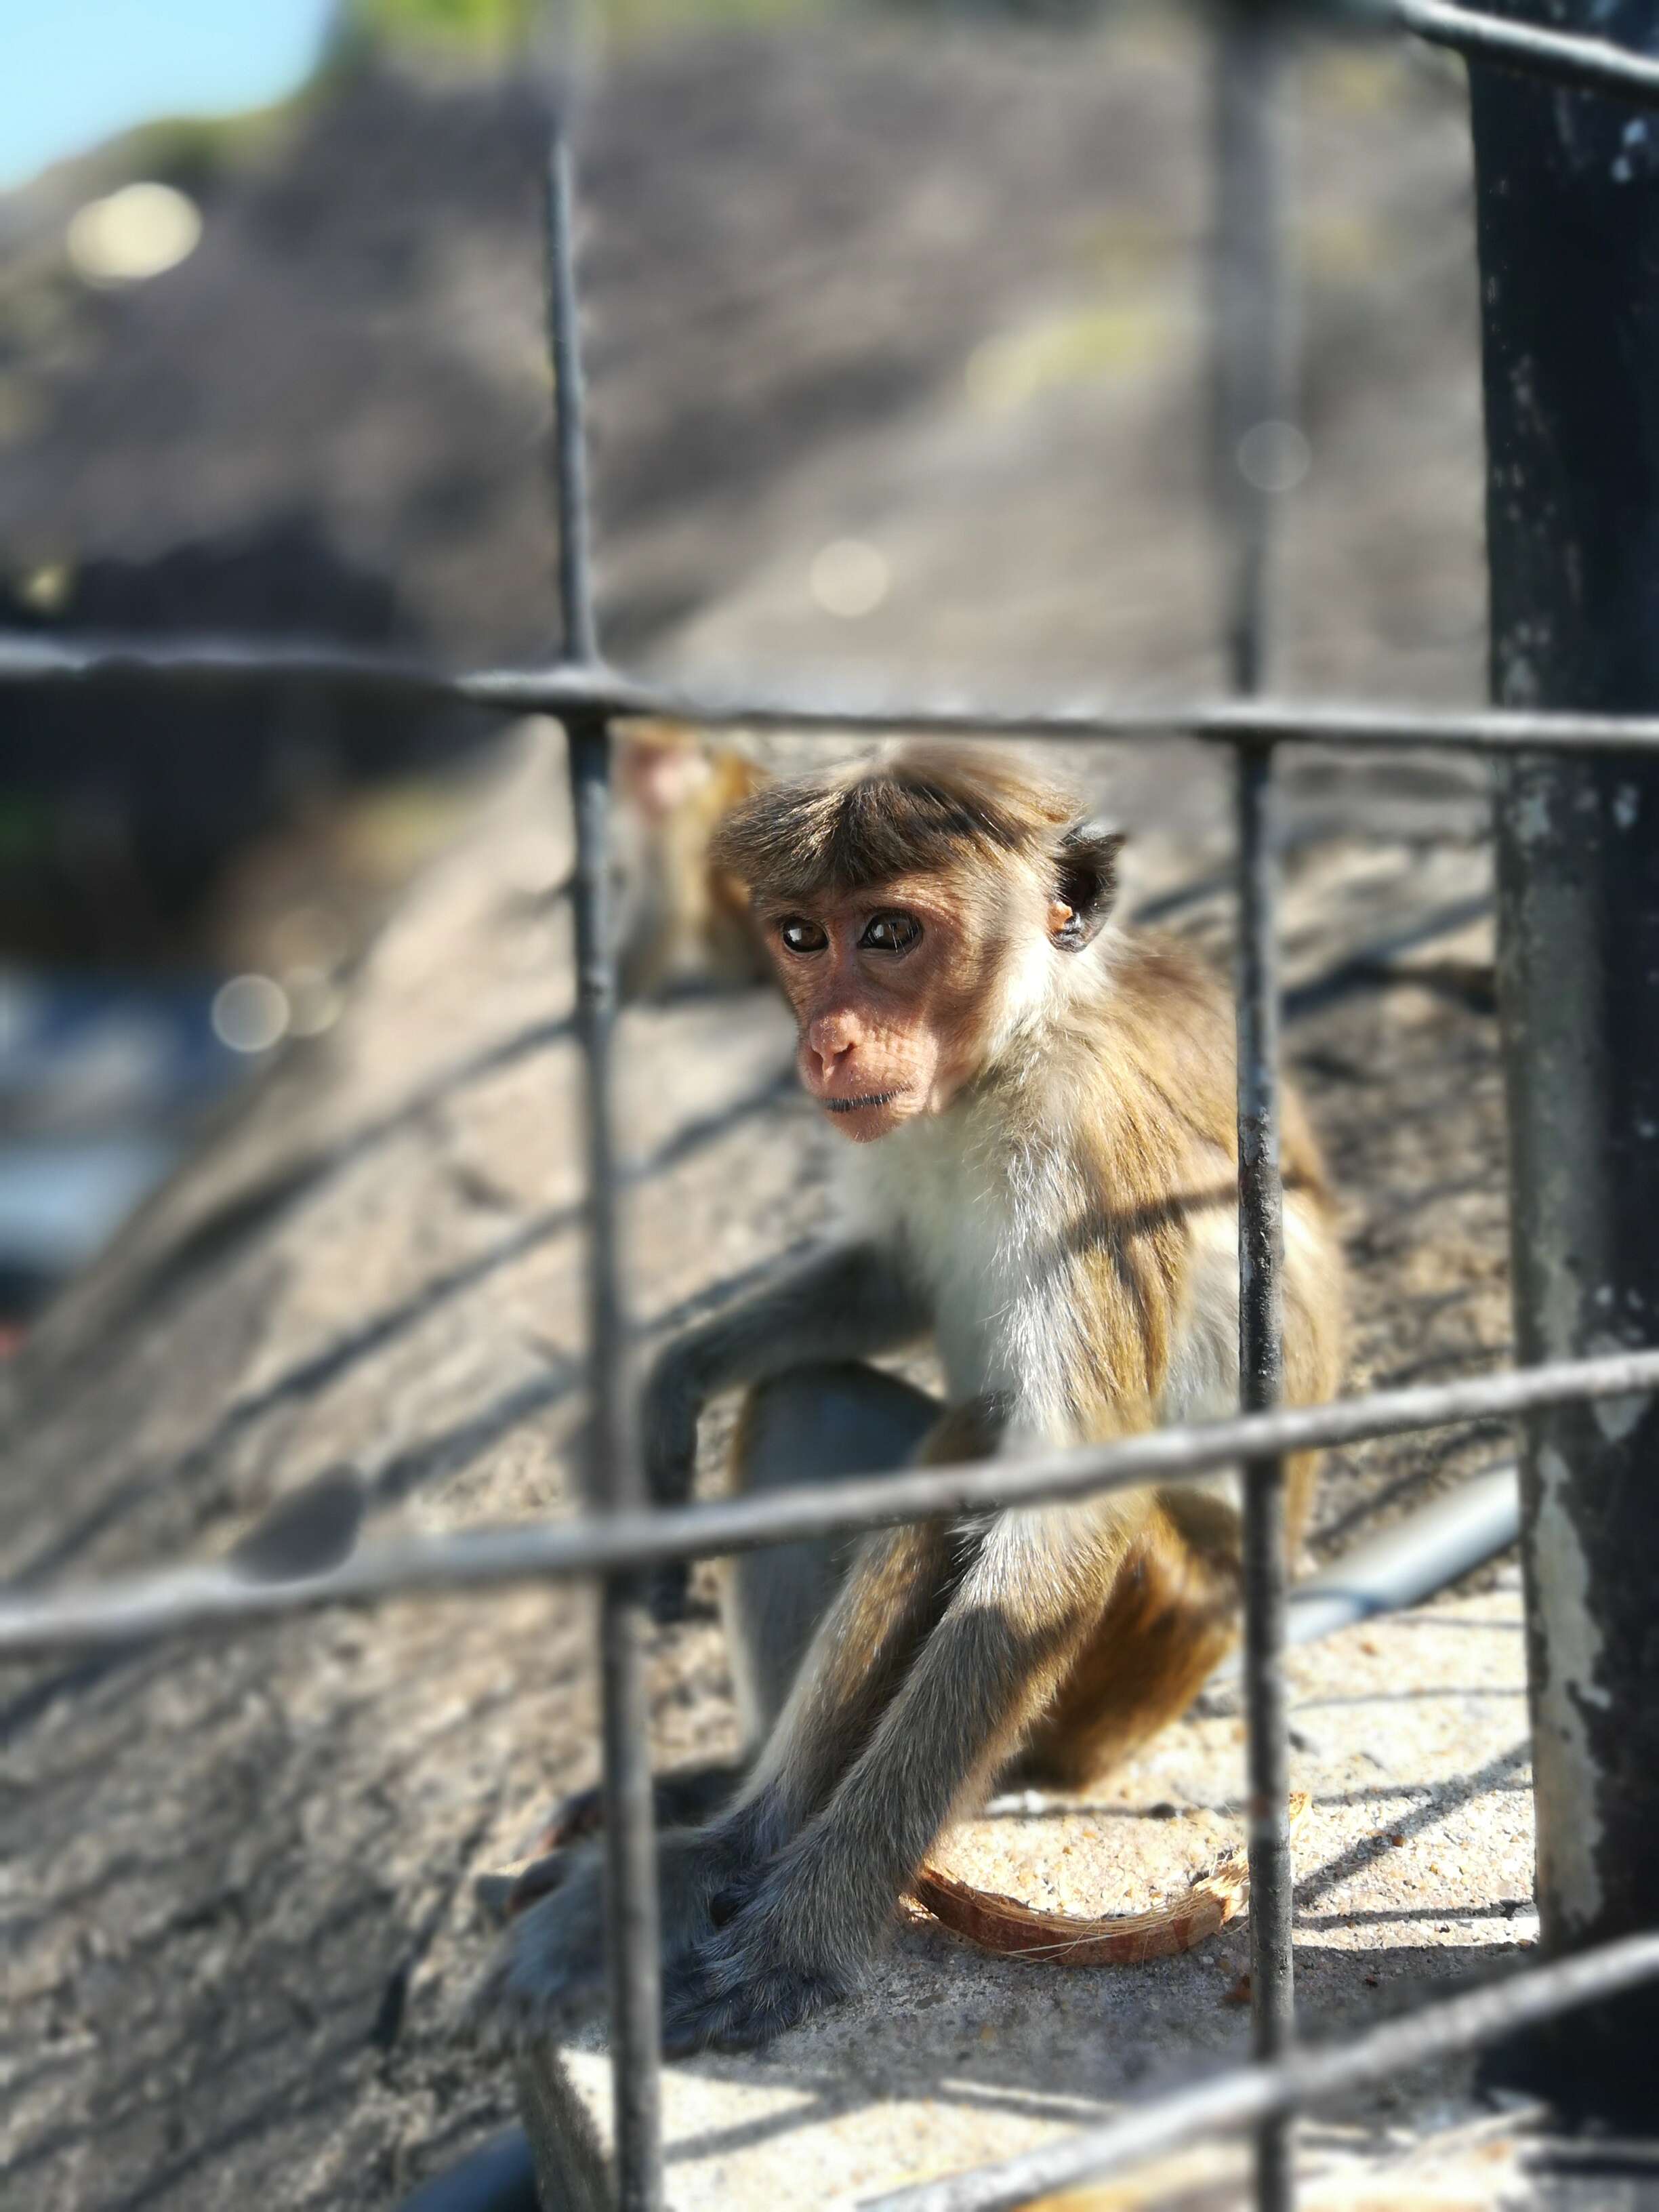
(74, 71)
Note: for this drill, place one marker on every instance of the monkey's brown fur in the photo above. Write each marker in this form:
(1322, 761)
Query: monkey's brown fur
(1045, 1179)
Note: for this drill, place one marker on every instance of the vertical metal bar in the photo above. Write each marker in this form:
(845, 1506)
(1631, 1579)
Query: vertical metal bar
(1251, 318)
(1567, 194)
(615, 1478)
(1261, 1363)
(1251, 341)
(581, 635)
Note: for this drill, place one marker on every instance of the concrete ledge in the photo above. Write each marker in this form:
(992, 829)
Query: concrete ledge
(1415, 1869)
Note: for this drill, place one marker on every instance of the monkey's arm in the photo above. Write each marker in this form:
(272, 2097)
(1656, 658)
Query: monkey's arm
(845, 1304)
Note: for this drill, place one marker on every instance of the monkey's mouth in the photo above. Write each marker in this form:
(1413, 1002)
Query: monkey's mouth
(857, 1105)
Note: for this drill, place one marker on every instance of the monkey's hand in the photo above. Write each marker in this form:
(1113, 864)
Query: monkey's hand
(776, 1961)
(554, 1950)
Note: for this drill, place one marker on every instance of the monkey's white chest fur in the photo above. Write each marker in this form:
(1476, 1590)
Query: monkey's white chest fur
(975, 1217)
(983, 1224)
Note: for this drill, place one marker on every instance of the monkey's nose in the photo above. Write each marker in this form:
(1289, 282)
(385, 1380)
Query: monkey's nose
(829, 1055)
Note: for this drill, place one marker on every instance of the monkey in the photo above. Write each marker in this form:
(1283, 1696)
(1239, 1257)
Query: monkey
(1040, 1175)
(681, 918)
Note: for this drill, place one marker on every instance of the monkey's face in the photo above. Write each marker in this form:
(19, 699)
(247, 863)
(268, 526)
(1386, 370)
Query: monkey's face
(896, 992)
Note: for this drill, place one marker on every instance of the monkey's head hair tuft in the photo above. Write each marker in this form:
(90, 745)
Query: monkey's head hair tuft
(919, 809)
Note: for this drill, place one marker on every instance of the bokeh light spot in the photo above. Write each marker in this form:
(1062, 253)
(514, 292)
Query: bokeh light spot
(249, 1013)
(136, 232)
(849, 578)
(312, 999)
(1273, 457)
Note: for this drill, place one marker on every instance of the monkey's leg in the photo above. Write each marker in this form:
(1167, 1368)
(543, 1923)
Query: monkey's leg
(1010, 1632)
(1173, 1617)
(818, 1424)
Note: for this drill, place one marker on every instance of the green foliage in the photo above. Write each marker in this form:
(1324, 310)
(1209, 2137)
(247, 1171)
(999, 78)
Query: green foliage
(190, 151)
(496, 27)
(629, 21)
(484, 25)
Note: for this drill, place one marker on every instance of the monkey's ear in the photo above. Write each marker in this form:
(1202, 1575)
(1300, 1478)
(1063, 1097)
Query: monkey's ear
(1086, 881)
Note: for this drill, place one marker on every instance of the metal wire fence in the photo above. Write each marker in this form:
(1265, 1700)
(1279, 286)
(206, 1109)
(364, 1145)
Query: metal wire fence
(620, 1535)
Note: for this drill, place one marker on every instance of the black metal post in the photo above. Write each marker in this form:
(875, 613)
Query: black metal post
(1252, 383)
(1568, 187)
(615, 1478)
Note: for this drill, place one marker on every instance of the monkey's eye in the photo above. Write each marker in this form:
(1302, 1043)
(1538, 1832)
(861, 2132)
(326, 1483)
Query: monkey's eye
(800, 936)
(891, 932)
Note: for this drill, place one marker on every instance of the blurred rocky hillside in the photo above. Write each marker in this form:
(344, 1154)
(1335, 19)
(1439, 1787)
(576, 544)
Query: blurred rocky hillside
(926, 278)
(935, 297)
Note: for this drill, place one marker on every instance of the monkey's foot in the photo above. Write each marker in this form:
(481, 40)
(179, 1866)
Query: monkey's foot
(698, 2014)
(554, 1949)
(763, 1967)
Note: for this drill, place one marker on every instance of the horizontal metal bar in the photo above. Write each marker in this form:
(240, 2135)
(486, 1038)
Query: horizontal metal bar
(1252, 2094)
(1228, 722)
(568, 688)
(28, 658)
(141, 1606)
(1590, 64)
